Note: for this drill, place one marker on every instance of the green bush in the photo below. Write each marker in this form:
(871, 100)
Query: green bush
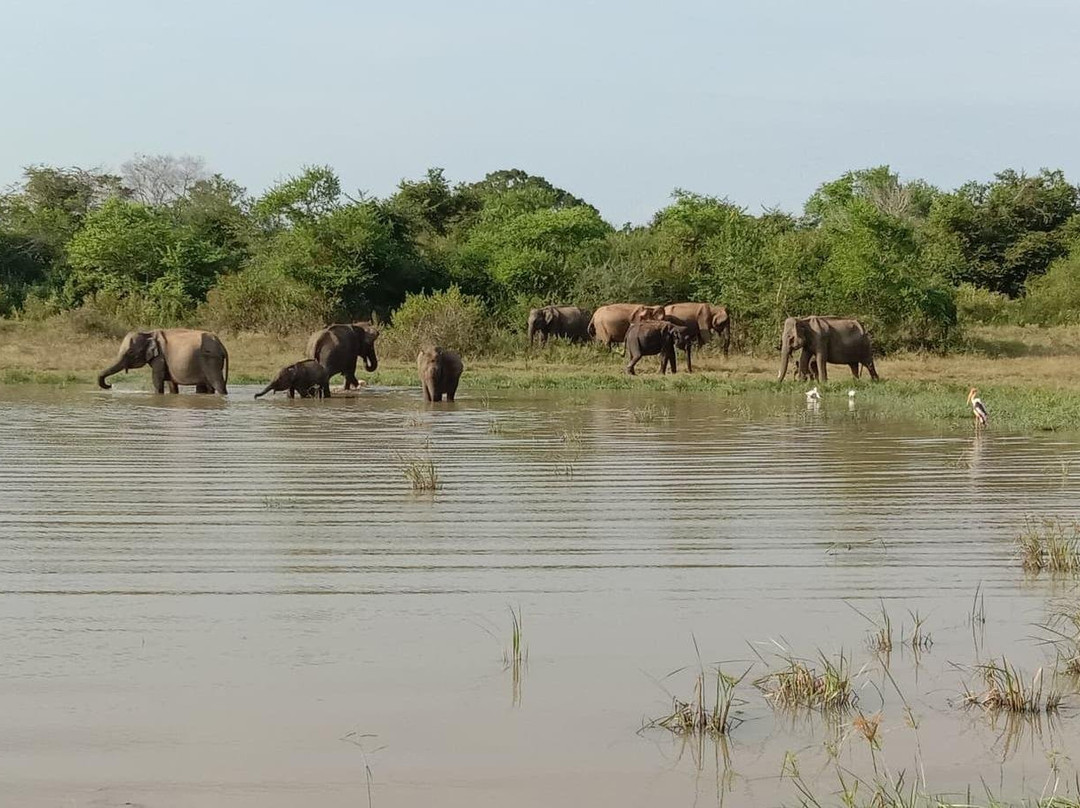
(977, 305)
(448, 319)
(108, 314)
(259, 299)
(1054, 298)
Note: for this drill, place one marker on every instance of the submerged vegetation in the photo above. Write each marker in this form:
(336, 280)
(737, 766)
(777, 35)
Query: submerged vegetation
(1005, 689)
(421, 473)
(1052, 545)
(795, 683)
(697, 716)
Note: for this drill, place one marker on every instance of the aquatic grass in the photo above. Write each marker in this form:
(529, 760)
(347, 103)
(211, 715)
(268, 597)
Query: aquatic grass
(494, 426)
(1049, 544)
(516, 653)
(421, 473)
(697, 716)
(796, 684)
(880, 639)
(918, 640)
(649, 413)
(1005, 689)
(1063, 630)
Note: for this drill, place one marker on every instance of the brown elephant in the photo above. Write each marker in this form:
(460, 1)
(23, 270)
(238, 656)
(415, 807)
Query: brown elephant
(701, 318)
(835, 340)
(440, 370)
(649, 338)
(610, 323)
(338, 346)
(308, 378)
(177, 356)
(568, 322)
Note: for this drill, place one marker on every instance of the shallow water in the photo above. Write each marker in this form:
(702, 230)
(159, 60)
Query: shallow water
(241, 603)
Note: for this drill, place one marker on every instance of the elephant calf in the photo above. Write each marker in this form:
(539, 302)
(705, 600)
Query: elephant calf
(650, 337)
(308, 378)
(439, 371)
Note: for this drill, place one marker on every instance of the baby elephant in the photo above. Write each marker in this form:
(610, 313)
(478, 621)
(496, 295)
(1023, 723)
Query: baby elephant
(308, 378)
(439, 373)
(653, 337)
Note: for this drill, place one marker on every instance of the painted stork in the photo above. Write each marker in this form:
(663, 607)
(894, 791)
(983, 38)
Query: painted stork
(813, 396)
(978, 409)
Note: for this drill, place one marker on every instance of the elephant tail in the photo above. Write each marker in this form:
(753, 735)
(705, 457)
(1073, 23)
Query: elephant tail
(226, 368)
(590, 329)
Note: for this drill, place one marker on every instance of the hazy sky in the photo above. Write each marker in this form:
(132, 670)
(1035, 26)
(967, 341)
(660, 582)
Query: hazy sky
(618, 102)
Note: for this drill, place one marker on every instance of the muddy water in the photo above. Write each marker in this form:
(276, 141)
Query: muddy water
(213, 602)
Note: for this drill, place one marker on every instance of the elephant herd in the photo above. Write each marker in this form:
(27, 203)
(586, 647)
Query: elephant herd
(180, 356)
(647, 330)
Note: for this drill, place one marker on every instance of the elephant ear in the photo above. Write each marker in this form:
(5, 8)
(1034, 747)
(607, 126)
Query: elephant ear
(802, 331)
(153, 349)
(549, 316)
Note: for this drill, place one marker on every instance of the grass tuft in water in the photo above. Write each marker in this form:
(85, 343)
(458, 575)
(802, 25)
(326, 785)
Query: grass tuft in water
(919, 639)
(797, 684)
(420, 472)
(1005, 689)
(1049, 544)
(697, 716)
(650, 413)
(517, 652)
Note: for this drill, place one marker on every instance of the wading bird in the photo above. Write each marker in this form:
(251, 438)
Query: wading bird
(813, 395)
(978, 409)
(851, 395)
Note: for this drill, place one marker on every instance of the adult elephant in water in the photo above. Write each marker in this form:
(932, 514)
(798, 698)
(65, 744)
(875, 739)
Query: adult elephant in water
(700, 319)
(176, 356)
(610, 323)
(568, 322)
(835, 340)
(338, 346)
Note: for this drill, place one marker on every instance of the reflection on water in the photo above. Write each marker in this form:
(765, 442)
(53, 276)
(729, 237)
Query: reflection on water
(202, 598)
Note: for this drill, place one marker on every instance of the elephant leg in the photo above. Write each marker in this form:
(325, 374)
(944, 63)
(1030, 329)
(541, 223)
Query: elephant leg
(292, 392)
(203, 388)
(160, 376)
(854, 369)
(350, 374)
(689, 367)
(630, 365)
(451, 389)
(823, 373)
(324, 390)
(870, 368)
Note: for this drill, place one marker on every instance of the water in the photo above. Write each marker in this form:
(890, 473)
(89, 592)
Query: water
(213, 602)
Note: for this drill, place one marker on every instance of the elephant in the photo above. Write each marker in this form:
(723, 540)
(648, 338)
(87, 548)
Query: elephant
(176, 356)
(568, 322)
(338, 346)
(610, 323)
(650, 338)
(307, 377)
(439, 371)
(701, 318)
(839, 340)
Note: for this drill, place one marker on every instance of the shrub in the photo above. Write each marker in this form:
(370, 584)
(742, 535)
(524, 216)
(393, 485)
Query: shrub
(108, 314)
(449, 319)
(1054, 298)
(977, 305)
(260, 299)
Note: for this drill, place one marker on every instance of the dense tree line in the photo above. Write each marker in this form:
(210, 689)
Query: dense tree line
(163, 239)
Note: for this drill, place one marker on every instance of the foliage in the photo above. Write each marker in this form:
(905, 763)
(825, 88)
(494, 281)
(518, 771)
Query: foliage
(449, 319)
(259, 298)
(184, 244)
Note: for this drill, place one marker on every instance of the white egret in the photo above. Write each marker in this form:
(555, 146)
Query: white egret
(813, 395)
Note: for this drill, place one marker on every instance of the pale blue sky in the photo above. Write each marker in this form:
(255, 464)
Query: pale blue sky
(619, 102)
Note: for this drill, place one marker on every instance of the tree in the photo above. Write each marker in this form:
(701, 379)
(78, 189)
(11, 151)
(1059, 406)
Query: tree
(158, 179)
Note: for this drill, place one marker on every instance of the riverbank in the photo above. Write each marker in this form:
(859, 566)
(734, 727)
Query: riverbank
(1029, 377)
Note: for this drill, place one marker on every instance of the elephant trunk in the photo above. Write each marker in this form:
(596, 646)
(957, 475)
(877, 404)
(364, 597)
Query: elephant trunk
(371, 363)
(785, 356)
(116, 367)
(532, 331)
(265, 390)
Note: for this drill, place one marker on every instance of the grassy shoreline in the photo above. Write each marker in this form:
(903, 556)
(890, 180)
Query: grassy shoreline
(1030, 378)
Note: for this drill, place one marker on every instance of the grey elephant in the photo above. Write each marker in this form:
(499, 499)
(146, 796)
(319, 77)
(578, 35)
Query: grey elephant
(835, 340)
(338, 346)
(701, 319)
(568, 322)
(308, 378)
(440, 370)
(649, 338)
(176, 356)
